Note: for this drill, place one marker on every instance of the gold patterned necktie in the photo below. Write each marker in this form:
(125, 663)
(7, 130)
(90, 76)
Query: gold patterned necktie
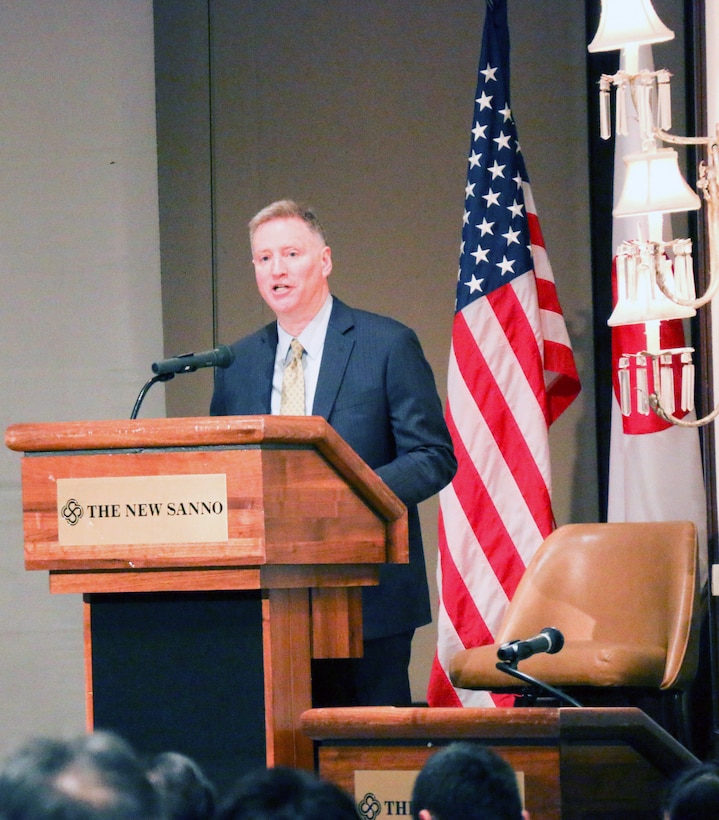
(292, 402)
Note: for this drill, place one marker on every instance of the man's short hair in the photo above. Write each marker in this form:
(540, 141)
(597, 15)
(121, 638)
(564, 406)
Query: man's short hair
(93, 777)
(288, 209)
(185, 790)
(469, 781)
(283, 793)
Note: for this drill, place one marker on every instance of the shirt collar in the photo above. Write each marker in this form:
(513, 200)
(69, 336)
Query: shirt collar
(312, 337)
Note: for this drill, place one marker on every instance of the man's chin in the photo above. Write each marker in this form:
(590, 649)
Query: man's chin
(280, 301)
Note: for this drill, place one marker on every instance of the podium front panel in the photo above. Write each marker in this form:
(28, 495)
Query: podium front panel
(184, 673)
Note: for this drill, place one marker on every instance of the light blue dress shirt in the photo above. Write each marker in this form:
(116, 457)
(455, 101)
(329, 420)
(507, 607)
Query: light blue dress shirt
(312, 340)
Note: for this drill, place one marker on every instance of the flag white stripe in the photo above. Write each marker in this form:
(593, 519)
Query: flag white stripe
(470, 560)
(505, 367)
(449, 644)
(490, 463)
(553, 326)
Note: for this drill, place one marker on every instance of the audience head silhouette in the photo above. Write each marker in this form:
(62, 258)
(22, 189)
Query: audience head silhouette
(185, 791)
(93, 777)
(694, 794)
(286, 794)
(466, 781)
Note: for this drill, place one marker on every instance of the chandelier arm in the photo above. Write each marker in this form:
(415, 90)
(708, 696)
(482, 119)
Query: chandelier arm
(656, 405)
(707, 296)
(708, 183)
(665, 136)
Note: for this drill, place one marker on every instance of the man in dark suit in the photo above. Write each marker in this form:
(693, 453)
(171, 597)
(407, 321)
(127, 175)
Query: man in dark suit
(366, 374)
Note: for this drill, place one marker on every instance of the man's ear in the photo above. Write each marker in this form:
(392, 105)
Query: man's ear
(326, 261)
(425, 815)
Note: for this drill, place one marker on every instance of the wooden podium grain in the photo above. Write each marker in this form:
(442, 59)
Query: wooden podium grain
(308, 525)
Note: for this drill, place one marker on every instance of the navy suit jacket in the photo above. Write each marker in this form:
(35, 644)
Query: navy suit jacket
(377, 390)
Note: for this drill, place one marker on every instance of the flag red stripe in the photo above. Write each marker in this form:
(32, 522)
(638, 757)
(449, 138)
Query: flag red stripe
(535, 229)
(521, 337)
(442, 690)
(547, 295)
(557, 359)
(561, 395)
(502, 423)
(484, 518)
(459, 604)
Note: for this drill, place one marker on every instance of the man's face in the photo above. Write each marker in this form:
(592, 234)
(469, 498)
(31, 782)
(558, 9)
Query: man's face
(291, 268)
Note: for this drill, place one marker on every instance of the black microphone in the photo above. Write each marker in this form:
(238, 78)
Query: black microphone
(549, 640)
(221, 356)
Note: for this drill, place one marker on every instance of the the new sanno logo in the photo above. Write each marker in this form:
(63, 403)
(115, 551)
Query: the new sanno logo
(72, 512)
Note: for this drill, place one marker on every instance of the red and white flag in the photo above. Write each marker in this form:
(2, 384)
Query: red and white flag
(655, 468)
(511, 374)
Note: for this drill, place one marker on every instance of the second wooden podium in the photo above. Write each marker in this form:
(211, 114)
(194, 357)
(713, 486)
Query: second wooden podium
(216, 557)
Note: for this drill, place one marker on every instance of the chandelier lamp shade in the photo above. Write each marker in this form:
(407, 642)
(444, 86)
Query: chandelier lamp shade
(654, 184)
(628, 22)
(655, 279)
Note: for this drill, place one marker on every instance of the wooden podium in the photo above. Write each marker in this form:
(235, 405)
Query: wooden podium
(237, 546)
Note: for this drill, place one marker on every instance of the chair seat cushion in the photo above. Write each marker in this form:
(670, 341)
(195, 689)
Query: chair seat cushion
(578, 663)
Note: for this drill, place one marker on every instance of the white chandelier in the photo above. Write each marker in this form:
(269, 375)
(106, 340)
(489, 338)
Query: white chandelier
(655, 279)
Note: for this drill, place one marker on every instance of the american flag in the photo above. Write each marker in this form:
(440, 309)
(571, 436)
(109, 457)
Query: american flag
(511, 374)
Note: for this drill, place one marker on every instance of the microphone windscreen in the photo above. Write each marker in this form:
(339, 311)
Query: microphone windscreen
(556, 639)
(225, 356)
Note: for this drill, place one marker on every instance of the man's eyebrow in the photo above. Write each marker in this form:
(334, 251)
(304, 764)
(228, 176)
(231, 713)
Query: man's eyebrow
(290, 247)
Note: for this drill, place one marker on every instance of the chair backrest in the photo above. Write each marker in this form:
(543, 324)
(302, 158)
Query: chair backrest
(624, 582)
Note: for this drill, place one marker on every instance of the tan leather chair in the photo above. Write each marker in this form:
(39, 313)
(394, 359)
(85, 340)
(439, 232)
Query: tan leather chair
(626, 599)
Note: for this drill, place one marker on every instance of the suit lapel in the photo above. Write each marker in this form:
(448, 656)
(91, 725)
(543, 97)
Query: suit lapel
(262, 369)
(335, 356)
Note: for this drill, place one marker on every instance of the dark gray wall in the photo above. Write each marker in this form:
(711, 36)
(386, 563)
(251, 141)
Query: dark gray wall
(363, 110)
